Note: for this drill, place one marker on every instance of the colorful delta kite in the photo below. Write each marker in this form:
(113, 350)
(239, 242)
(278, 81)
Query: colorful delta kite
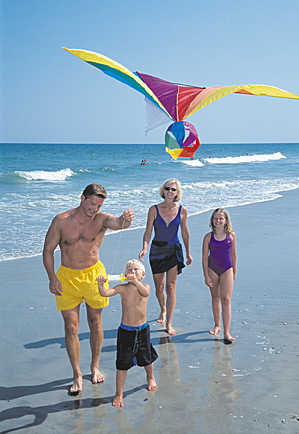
(172, 102)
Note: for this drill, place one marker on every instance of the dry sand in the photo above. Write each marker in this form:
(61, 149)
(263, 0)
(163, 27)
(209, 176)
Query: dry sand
(204, 386)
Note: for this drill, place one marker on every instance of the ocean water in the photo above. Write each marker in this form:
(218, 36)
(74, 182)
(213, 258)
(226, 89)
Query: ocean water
(38, 181)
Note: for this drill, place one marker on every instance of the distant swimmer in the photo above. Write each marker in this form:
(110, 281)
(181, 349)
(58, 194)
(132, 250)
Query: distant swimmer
(219, 263)
(144, 162)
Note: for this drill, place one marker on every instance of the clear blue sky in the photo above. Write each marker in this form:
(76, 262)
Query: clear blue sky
(50, 96)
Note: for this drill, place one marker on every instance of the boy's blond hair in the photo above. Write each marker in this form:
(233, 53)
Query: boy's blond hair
(133, 261)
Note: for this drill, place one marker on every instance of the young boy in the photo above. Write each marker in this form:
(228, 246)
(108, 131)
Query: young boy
(133, 338)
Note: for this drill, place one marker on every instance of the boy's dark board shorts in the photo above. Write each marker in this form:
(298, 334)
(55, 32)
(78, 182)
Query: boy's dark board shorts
(134, 347)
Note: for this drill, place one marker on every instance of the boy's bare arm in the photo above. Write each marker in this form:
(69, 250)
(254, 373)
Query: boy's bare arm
(142, 288)
(107, 292)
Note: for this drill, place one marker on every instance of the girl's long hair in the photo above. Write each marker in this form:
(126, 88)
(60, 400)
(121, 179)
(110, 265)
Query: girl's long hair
(228, 226)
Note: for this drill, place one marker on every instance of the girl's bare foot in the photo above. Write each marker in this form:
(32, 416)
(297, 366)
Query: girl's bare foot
(228, 339)
(215, 330)
(118, 401)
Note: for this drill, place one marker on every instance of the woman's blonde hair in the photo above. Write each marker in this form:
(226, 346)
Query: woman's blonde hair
(228, 226)
(178, 186)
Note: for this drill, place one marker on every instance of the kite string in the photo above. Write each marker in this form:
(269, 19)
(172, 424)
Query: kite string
(117, 248)
(121, 231)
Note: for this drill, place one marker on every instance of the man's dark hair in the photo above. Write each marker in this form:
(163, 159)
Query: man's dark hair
(95, 190)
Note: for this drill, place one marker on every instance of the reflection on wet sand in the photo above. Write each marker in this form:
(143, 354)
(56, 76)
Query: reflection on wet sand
(76, 418)
(175, 397)
(221, 403)
(176, 404)
(99, 413)
(133, 425)
(79, 417)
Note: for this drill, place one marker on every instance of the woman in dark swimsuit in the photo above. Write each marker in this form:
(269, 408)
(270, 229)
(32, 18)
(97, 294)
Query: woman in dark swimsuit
(166, 255)
(219, 263)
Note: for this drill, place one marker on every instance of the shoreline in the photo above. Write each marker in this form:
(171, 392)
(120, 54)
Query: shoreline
(203, 385)
(275, 196)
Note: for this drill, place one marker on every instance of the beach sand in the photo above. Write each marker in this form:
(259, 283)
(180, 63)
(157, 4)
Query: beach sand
(204, 386)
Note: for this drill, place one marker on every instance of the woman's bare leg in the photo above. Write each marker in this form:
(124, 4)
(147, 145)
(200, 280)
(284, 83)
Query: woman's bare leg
(171, 276)
(159, 285)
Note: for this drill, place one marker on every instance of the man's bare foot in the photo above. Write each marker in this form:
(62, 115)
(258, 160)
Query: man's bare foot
(228, 339)
(118, 401)
(171, 331)
(161, 318)
(77, 385)
(152, 385)
(215, 330)
(96, 376)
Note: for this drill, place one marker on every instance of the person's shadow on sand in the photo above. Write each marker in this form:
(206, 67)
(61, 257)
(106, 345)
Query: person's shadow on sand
(15, 392)
(183, 338)
(41, 413)
(108, 334)
(9, 393)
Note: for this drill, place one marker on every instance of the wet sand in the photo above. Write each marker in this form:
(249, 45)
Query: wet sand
(204, 386)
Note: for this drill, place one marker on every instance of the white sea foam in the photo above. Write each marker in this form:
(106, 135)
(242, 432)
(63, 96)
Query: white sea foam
(193, 163)
(42, 175)
(245, 159)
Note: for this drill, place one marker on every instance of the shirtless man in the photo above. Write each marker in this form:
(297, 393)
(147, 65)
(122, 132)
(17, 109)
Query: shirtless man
(79, 233)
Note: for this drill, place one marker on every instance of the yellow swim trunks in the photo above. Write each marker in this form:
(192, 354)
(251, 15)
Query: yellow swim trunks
(79, 285)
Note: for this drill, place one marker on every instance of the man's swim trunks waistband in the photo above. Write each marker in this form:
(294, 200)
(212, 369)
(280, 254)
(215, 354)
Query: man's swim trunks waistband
(84, 271)
(133, 329)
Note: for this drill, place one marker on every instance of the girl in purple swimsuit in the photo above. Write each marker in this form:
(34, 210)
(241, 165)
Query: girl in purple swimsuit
(166, 255)
(219, 263)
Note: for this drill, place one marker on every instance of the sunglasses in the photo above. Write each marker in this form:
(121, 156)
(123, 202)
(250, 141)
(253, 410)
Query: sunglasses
(169, 189)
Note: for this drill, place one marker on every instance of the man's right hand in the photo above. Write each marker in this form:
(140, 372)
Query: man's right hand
(55, 287)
